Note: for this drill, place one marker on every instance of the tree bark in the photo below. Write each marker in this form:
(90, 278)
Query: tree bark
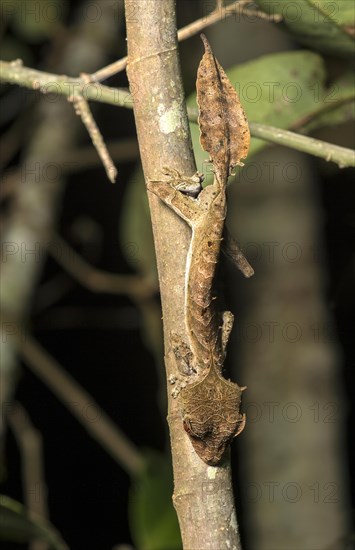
(203, 496)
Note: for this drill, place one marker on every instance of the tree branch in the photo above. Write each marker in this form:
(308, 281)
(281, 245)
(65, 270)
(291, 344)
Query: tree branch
(94, 279)
(340, 155)
(30, 443)
(164, 140)
(15, 73)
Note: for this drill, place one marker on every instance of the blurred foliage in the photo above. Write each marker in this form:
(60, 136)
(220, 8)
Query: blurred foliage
(34, 20)
(16, 526)
(28, 23)
(323, 25)
(340, 106)
(136, 228)
(153, 520)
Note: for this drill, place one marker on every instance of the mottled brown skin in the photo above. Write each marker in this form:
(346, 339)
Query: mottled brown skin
(203, 321)
(211, 415)
(211, 405)
(225, 136)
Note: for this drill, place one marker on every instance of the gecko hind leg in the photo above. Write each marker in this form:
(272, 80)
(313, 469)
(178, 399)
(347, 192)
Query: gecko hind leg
(227, 325)
(232, 250)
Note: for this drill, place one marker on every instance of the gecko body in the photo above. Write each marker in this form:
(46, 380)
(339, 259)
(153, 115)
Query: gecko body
(210, 404)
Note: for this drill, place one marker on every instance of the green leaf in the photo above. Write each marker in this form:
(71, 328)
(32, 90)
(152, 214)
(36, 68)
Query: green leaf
(8, 11)
(324, 25)
(286, 90)
(153, 520)
(11, 49)
(17, 526)
(338, 108)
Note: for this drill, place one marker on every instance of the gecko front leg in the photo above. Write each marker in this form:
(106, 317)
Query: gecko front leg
(191, 186)
(172, 194)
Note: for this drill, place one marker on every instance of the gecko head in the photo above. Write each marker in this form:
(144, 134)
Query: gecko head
(211, 415)
(211, 443)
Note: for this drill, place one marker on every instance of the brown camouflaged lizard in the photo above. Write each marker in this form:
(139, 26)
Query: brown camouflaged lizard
(210, 405)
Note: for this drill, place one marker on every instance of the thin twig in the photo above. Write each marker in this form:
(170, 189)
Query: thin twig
(95, 279)
(141, 290)
(326, 109)
(29, 441)
(9, 182)
(75, 160)
(219, 13)
(322, 149)
(12, 139)
(109, 70)
(17, 74)
(83, 110)
(342, 156)
(121, 150)
(79, 401)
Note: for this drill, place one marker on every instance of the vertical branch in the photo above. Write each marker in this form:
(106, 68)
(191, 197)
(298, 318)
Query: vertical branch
(29, 441)
(202, 493)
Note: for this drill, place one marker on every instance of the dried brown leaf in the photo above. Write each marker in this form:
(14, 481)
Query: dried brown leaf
(224, 127)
